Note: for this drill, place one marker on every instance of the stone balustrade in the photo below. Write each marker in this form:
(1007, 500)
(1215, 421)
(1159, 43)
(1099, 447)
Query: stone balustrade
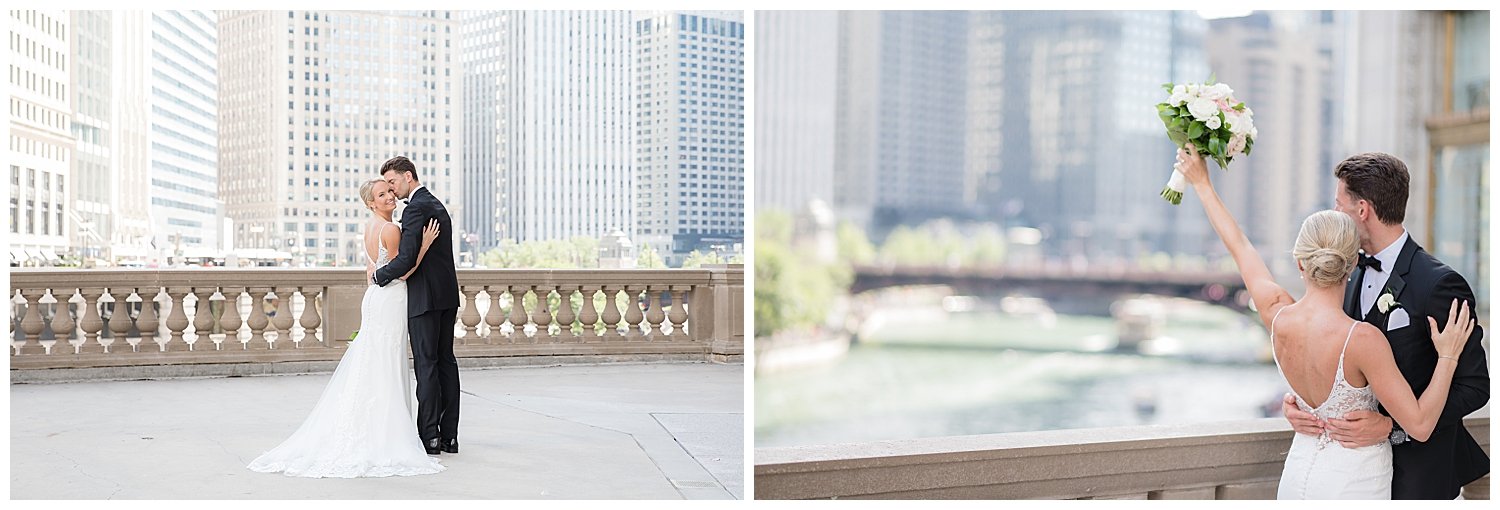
(1228, 460)
(68, 318)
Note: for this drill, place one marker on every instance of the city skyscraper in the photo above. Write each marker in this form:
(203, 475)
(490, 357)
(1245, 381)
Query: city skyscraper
(92, 197)
(548, 146)
(1068, 140)
(312, 104)
(41, 148)
(1277, 67)
(180, 49)
(796, 97)
(690, 131)
(901, 116)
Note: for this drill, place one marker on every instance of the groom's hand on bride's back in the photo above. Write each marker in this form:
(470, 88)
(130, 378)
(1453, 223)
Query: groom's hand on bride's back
(1302, 421)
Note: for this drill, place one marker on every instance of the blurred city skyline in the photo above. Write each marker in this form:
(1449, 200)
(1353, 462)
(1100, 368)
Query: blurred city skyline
(165, 137)
(1043, 122)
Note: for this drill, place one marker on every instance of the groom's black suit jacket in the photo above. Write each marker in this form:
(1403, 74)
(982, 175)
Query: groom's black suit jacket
(434, 286)
(1450, 458)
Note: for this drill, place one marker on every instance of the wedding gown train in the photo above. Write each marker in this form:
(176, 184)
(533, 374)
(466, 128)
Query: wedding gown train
(364, 424)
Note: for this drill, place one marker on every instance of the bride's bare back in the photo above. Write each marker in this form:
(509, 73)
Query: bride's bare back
(1308, 340)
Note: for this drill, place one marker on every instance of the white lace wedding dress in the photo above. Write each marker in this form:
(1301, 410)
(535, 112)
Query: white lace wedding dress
(1318, 467)
(363, 425)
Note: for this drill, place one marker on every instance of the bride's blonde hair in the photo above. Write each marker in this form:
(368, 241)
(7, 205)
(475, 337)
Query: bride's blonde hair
(1327, 247)
(367, 193)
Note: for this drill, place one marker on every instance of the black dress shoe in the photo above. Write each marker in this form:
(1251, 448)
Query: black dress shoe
(435, 447)
(450, 446)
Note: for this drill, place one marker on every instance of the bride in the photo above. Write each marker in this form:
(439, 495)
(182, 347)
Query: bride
(1334, 364)
(363, 424)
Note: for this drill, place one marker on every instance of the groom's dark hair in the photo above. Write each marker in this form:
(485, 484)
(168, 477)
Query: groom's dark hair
(1380, 179)
(400, 164)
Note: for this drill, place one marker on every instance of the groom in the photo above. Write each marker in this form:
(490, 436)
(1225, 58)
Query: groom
(1372, 189)
(431, 306)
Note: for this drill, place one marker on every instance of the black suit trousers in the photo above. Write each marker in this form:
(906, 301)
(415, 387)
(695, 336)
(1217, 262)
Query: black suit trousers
(437, 373)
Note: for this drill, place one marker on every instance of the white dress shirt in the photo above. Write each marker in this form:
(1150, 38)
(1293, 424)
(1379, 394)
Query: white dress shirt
(1374, 282)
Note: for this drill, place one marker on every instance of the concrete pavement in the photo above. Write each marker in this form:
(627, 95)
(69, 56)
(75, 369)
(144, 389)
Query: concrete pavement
(618, 431)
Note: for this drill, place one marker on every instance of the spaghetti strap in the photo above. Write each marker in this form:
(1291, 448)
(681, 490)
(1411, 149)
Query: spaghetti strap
(1273, 339)
(1346, 347)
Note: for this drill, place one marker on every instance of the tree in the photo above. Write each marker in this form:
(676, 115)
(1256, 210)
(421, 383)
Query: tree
(647, 258)
(853, 245)
(697, 259)
(791, 291)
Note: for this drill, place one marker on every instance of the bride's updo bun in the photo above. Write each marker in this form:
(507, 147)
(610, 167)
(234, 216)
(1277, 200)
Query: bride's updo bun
(1327, 247)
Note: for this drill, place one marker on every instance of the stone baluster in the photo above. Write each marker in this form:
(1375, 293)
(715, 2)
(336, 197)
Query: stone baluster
(92, 323)
(633, 315)
(230, 321)
(62, 322)
(517, 315)
(565, 316)
(470, 317)
(283, 320)
(148, 323)
(258, 320)
(119, 320)
(31, 323)
(654, 314)
(542, 316)
(177, 321)
(493, 318)
(310, 319)
(611, 314)
(588, 318)
(679, 314)
(203, 320)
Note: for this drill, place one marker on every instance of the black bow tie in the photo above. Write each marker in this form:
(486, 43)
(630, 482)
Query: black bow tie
(406, 201)
(1368, 261)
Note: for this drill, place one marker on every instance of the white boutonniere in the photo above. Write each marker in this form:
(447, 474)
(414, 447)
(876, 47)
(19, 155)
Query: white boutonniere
(1386, 301)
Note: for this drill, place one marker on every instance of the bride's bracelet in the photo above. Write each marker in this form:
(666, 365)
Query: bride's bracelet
(1455, 360)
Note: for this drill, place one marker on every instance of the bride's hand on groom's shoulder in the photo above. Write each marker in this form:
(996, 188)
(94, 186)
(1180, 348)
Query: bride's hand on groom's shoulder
(430, 233)
(1192, 165)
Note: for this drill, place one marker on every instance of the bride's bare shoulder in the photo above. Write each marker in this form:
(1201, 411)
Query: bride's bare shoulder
(1366, 339)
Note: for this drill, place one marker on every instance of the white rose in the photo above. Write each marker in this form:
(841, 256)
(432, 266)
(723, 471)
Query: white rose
(1179, 95)
(1254, 133)
(1385, 302)
(1203, 108)
(1238, 124)
(1216, 91)
(1213, 122)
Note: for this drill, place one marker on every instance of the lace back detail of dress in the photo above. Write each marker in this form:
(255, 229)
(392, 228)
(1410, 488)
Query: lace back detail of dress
(1342, 399)
(382, 256)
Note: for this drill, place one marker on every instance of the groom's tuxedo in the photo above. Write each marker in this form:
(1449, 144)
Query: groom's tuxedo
(1425, 287)
(432, 308)
(434, 286)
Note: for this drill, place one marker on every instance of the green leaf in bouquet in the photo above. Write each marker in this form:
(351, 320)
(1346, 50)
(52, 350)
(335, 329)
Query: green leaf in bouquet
(1212, 77)
(1195, 129)
(1166, 112)
(1249, 143)
(1168, 86)
(1239, 107)
(1178, 136)
(1216, 148)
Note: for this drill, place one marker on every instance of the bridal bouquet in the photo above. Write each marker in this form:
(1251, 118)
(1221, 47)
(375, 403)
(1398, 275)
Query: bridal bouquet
(1208, 116)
